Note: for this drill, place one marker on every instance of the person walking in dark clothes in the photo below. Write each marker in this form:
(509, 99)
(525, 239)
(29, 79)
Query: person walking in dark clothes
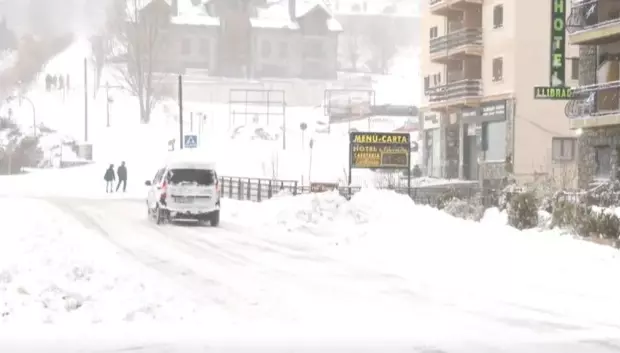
(122, 176)
(109, 178)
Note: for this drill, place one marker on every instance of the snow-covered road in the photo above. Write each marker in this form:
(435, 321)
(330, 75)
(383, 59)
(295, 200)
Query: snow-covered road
(243, 280)
(284, 285)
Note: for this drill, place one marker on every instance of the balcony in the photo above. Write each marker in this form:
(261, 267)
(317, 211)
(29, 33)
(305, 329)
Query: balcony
(456, 45)
(447, 7)
(589, 23)
(462, 93)
(594, 105)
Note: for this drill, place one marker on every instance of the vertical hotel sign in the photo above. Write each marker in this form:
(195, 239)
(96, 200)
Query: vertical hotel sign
(557, 89)
(558, 44)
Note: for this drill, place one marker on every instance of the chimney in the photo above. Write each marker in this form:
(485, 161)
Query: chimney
(175, 7)
(292, 10)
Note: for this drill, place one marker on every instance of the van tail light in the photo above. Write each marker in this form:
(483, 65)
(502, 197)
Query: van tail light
(164, 190)
(217, 186)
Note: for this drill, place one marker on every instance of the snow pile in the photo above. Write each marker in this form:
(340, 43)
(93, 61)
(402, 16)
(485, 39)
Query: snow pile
(55, 271)
(480, 265)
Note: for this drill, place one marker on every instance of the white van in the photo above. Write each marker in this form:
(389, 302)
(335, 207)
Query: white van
(184, 190)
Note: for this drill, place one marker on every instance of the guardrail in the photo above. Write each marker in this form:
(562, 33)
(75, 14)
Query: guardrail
(257, 189)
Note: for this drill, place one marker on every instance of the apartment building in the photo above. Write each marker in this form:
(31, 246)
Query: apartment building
(233, 38)
(483, 116)
(594, 26)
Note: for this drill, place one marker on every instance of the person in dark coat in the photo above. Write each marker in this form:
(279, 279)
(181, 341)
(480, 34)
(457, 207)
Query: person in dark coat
(122, 176)
(48, 82)
(109, 178)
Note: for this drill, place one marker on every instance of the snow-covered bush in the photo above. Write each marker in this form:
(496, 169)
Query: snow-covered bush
(16, 149)
(445, 198)
(523, 210)
(608, 225)
(604, 195)
(465, 209)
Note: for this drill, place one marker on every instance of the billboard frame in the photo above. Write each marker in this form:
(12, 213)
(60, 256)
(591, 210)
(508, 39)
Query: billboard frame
(250, 106)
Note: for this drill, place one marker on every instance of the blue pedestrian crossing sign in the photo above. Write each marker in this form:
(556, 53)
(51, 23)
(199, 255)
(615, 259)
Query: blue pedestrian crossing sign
(190, 141)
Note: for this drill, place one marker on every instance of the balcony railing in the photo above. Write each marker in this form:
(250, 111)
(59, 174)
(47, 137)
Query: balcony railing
(462, 37)
(592, 16)
(455, 90)
(452, 4)
(594, 100)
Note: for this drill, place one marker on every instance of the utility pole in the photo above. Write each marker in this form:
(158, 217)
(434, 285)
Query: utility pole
(180, 112)
(107, 104)
(85, 100)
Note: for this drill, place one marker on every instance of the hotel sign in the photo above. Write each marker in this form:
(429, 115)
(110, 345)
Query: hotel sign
(557, 76)
(557, 89)
(553, 93)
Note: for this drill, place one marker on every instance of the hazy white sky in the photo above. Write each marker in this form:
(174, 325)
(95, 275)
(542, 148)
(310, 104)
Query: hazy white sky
(54, 16)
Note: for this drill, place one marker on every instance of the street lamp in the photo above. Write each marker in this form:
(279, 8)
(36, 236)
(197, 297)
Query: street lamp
(108, 100)
(34, 113)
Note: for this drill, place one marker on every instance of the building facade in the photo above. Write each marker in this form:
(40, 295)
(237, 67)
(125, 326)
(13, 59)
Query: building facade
(594, 26)
(234, 39)
(481, 63)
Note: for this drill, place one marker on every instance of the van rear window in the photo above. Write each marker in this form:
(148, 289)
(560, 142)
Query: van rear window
(192, 176)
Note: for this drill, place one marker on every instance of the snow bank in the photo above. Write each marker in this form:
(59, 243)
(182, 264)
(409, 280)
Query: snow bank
(482, 264)
(52, 270)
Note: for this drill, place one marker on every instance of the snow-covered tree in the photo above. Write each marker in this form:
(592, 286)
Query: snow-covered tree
(140, 47)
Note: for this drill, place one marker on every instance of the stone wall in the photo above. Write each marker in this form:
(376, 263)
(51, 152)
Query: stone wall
(586, 153)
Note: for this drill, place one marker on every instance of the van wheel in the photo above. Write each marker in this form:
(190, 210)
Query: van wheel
(214, 218)
(159, 215)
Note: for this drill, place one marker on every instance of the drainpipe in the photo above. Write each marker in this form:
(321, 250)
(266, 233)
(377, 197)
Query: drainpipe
(513, 116)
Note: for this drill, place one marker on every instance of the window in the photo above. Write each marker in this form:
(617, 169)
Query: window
(498, 69)
(158, 176)
(603, 162)
(191, 176)
(437, 79)
(186, 46)
(205, 47)
(563, 149)
(433, 32)
(265, 49)
(427, 83)
(498, 16)
(574, 68)
(283, 50)
(494, 141)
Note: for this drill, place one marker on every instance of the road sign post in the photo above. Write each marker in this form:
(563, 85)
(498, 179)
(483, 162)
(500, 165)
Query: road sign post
(190, 141)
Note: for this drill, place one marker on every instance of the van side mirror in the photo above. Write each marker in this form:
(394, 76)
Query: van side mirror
(147, 183)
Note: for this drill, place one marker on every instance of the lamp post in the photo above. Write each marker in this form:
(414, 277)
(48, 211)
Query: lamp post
(109, 100)
(303, 127)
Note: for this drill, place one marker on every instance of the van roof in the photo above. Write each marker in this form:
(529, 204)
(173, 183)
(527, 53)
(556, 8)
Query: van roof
(205, 165)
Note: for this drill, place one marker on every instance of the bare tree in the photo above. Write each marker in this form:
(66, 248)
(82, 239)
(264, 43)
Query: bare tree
(383, 41)
(140, 44)
(353, 48)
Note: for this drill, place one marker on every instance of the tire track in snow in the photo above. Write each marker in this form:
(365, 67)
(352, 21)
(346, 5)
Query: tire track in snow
(201, 286)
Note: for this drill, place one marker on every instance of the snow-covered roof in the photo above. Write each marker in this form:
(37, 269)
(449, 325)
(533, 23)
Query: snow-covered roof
(278, 15)
(374, 7)
(195, 20)
(275, 16)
